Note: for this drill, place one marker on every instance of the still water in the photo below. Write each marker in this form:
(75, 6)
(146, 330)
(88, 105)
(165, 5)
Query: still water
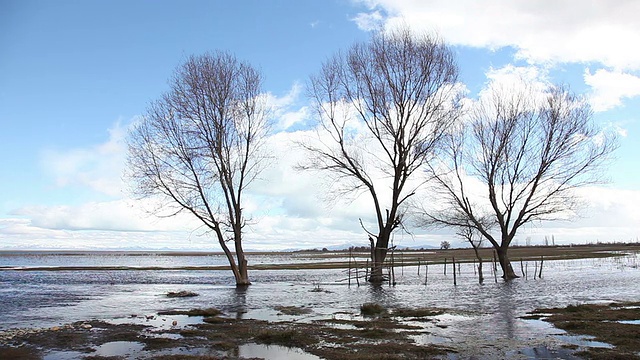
(45, 296)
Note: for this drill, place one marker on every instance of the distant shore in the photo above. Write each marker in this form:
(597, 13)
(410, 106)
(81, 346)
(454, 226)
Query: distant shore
(325, 259)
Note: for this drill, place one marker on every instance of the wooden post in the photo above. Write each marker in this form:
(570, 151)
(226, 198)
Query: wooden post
(349, 267)
(453, 263)
(541, 262)
(426, 273)
(357, 276)
(474, 266)
(445, 266)
(393, 269)
(522, 267)
(495, 266)
(418, 268)
(366, 270)
(535, 271)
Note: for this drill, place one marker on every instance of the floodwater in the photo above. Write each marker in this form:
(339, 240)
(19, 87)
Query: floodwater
(41, 297)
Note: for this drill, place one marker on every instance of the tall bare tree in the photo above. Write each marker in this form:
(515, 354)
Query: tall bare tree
(198, 147)
(384, 107)
(528, 152)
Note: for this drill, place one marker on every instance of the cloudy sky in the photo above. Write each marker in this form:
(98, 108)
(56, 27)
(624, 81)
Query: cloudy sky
(74, 76)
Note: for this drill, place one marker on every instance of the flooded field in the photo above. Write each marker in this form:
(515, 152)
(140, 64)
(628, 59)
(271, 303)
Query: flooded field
(488, 315)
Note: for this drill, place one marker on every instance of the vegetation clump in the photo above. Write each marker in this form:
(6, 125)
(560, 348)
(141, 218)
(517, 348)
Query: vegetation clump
(416, 312)
(285, 337)
(293, 310)
(372, 309)
(181, 294)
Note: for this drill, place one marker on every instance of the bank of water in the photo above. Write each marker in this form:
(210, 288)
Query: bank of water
(486, 313)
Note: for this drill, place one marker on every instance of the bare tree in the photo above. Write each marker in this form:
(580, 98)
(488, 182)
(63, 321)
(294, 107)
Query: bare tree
(198, 147)
(529, 153)
(384, 107)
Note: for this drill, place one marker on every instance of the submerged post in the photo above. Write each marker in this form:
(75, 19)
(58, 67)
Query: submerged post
(445, 266)
(366, 270)
(453, 263)
(495, 266)
(522, 268)
(426, 273)
(541, 262)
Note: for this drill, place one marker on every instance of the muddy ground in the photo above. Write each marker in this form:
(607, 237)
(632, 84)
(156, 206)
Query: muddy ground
(375, 333)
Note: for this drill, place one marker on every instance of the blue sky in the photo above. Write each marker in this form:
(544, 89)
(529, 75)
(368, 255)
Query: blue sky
(75, 74)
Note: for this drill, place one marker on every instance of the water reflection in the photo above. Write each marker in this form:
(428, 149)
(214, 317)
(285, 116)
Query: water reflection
(505, 316)
(239, 301)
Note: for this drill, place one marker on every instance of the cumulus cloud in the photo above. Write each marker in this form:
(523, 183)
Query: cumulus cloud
(286, 110)
(541, 31)
(609, 88)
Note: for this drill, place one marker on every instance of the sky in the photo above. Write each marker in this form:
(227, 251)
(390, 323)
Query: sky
(75, 76)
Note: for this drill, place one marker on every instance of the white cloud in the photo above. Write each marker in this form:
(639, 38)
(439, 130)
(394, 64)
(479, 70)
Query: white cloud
(542, 31)
(369, 21)
(286, 110)
(97, 167)
(118, 215)
(609, 88)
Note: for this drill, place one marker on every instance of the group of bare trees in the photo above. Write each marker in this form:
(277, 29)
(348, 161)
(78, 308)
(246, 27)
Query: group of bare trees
(390, 121)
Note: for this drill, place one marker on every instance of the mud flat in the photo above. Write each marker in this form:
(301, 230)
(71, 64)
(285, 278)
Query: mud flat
(368, 332)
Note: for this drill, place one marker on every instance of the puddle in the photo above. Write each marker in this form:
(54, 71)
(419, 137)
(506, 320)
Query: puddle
(630, 322)
(119, 348)
(158, 335)
(163, 322)
(274, 352)
(430, 339)
(583, 341)
(542, 352)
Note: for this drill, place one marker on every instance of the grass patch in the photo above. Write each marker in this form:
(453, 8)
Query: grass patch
(293, 310)
(181, 294)
(416, 312)
(381, 351)
(372, 309)
(601, 322)
(285, 337)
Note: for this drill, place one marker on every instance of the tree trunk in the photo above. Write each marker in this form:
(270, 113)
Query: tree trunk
(242, 279)
(240, 269)
(379, 254)
(505, 264)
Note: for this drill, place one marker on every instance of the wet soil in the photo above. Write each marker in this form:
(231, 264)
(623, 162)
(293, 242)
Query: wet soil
(387, 334)
(617, 324)
(220, 337)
